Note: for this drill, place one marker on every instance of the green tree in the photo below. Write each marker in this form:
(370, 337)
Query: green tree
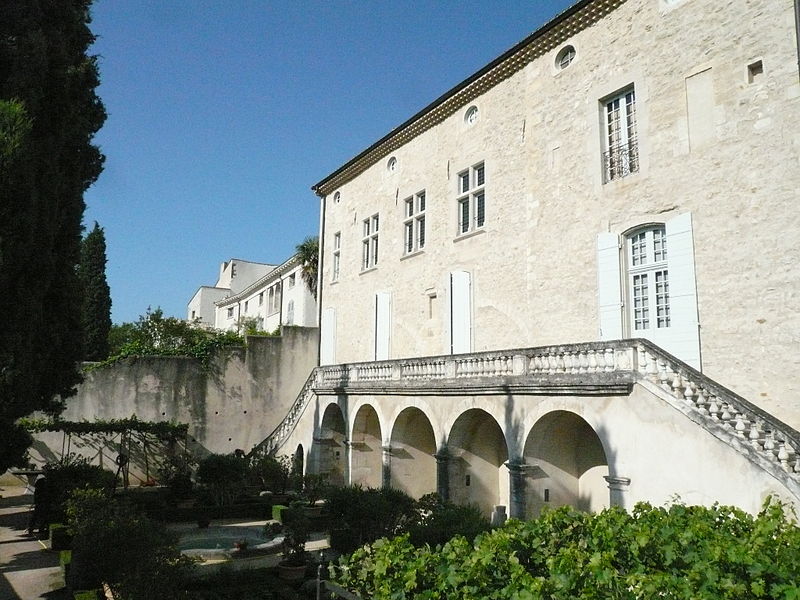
(308, 251)
(96, 309)
(49, 113)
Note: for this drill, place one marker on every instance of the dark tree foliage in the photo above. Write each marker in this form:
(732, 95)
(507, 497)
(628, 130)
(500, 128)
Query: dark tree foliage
(96, 310)
(49, 113)
(308, 252)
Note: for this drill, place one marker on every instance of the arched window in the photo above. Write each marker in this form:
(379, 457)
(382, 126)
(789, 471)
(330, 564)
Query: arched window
(647, 286)
(648, 278)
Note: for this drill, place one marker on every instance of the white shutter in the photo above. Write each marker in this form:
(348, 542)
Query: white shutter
(382, 313)
(609, 295)
(460, 313)
(685, 335)
(327, 350)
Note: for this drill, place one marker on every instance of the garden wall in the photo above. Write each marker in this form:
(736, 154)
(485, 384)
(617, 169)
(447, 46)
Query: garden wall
(234, 404)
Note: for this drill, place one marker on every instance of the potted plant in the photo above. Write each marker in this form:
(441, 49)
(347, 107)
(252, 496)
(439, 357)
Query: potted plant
(313, 489)
(296, 532)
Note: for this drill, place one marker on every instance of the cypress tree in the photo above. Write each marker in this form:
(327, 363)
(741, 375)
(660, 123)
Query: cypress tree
(49, 113)
(96, 308)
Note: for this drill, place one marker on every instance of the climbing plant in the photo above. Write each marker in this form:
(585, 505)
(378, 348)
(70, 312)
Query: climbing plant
(680, 552)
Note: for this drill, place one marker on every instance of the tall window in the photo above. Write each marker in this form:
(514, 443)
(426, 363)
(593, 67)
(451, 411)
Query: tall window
(369, 246)
(621, 157)
(337, 245)
(414, 224)
(648, 279)
(472, 199)
(274, 301)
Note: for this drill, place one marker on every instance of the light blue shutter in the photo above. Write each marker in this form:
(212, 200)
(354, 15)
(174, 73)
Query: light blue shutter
(382, 324)
(327, 350)
(460, 313)
(609, 295)
(685, 335)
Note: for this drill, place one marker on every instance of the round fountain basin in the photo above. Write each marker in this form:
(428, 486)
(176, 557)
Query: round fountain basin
(220, 541)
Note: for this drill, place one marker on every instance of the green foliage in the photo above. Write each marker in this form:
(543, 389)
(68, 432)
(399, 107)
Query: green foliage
(224, 476)
(175, 472)
(680, 552)
(296, 532)
(361, 516)
(96, 307)
(438, 521)
(156, 335)
(61, 479)
(269, 472)
(308, 251)
(49, 113)
(14, 445)
(115, 543)
(163, 430)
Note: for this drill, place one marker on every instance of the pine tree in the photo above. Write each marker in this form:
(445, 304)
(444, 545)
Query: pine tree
(49, 113)
(96, 309)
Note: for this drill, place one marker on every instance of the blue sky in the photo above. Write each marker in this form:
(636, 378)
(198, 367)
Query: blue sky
(223, 114)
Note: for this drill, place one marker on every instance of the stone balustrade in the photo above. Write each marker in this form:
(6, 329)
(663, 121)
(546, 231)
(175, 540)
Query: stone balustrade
(601, 365)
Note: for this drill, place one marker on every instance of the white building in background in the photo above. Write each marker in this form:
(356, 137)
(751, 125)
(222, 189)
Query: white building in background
(234, 276)
(279, 297)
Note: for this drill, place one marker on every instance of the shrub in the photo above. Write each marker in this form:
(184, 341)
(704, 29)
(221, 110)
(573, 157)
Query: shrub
(438, 521)
(223, 475)
(270, 473)
(60, 479)
(680, 552)
(116, 544)
(361, 516)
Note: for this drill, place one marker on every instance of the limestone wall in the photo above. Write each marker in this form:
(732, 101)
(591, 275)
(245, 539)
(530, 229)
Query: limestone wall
(234, 404)
(715, 141)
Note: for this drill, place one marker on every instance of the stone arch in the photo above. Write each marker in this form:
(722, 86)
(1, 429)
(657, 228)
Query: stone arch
(412, 465)
(366, 464)
(565, 464)
(477, 453)
(329, 446)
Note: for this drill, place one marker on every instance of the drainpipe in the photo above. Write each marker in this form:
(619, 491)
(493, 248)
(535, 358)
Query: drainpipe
(320, 264)
(797, 31)
(280, 304)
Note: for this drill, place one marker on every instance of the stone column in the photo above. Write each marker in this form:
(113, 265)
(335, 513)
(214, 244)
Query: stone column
(386, 466)
(443, 474)
(516, 481)
(619, 488)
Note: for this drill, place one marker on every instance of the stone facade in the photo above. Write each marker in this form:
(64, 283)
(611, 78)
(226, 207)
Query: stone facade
(717, 110)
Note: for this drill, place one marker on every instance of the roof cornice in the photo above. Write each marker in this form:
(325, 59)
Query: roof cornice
(290, 263)
(578, 17)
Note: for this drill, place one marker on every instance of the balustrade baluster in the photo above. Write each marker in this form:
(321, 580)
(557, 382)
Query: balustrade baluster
(664, 375)
(677, 385)
(726, 416)
(610, 360)
(569, 362)
(741, 425)
(642, 360)
(688, 392)
(653, 373)
(769, 445)
(755, 435)
(713, 408)
(701, 401)
(592, 358)
(783, 457)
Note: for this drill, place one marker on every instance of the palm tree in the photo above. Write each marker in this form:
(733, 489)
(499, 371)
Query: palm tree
(308, 253)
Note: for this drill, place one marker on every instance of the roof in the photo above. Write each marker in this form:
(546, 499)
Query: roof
(579, 16)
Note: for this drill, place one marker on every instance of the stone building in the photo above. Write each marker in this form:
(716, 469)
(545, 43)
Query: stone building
(268, 295)
(592, 241)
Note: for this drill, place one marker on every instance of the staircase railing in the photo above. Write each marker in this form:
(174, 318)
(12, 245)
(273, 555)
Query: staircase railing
(594, 365)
